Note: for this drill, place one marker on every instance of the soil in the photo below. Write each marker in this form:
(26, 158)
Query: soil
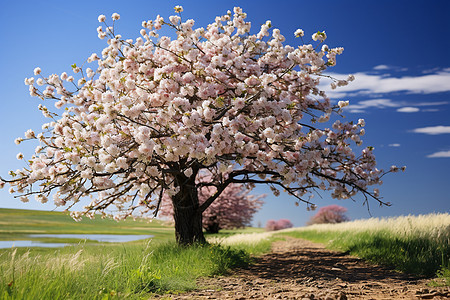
(300, 269)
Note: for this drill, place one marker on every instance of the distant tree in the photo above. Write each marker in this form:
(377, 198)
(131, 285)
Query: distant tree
(146, 116)
(272, 225)
(234, 208)
(329, 214)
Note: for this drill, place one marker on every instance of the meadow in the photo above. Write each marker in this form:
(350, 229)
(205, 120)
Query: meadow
(136, 270)
(94, 270)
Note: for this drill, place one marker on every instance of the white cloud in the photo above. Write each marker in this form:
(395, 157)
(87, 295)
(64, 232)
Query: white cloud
(381, 67)
(372, 103)
(433, 130)
(380, 86)
(431, 103)
(408, 109)
(394, 145)
(369, 84)
(439, 154)
(381, 103)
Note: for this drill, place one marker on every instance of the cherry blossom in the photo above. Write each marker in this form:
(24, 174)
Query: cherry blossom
(142, 118)
(299, 33)
(272, 225)
(329, 214)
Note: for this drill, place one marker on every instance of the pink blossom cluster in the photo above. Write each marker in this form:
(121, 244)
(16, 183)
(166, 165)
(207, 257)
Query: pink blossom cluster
(234, 208)
(273, 225)
(329, 214)
(144, 114)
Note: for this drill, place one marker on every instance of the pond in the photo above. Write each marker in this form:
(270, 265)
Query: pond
(107, 238)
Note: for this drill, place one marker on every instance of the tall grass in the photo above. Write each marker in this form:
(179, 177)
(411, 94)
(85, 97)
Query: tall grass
(413, 244)
(111, 272)
(254, 243)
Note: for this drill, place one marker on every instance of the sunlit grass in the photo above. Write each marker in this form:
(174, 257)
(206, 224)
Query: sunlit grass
(254, 243)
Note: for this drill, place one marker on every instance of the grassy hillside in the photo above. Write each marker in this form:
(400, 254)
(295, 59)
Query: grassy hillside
(17, 224)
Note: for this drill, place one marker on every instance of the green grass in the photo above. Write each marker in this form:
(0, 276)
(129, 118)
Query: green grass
(128, 271)
(256, 249)
(136, 270)
(133, 270)
(411, 254)
(443, 278)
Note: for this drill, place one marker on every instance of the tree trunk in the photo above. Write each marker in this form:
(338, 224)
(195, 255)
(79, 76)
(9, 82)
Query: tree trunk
(186, 213)
(213, 228)
(212, 225)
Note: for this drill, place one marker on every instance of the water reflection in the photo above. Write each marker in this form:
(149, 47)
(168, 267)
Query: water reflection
(15, 244)
(107, 238)
(110, 238)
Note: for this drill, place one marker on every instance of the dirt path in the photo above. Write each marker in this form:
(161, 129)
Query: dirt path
(299, 269)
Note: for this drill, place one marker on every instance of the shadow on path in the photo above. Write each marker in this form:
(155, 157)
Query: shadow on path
(313, 261)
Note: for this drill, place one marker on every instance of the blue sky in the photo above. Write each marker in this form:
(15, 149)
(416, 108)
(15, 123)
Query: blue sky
(398, 51)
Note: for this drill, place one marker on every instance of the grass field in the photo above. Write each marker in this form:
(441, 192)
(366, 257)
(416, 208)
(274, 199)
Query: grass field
(135, 270)
(131, 270)
(128, 271)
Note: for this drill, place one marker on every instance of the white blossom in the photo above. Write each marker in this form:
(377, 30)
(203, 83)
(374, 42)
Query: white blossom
(299, 33)
(29, 134)
(343, 104)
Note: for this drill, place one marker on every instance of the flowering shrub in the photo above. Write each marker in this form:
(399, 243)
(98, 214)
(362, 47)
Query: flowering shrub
(234, 208)
(272, 225)
(329, 214)
(145, 116)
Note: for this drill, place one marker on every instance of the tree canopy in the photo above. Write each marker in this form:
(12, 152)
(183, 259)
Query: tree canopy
(145, 116)
(329, 214)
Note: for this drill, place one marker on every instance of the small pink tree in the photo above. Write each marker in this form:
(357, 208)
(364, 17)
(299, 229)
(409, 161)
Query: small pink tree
(329, 214)
(234, 208)
(272, 225)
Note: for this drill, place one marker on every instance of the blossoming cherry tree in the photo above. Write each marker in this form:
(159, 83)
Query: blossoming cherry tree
(329, 215)
(145, 116)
